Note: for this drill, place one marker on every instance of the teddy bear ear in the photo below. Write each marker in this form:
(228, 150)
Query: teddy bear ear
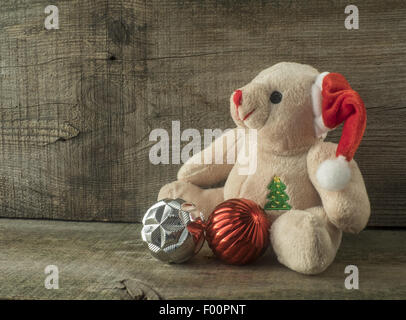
(335, 102)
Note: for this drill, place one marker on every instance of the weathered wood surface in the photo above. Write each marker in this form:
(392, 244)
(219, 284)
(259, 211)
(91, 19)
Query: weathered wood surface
(77, 104)
(108, 261)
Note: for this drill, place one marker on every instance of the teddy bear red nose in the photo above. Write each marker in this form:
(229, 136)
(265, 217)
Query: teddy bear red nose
(237, 98)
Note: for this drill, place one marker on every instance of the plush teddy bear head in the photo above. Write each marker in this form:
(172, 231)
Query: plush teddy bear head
(293, 106)
(278, 103)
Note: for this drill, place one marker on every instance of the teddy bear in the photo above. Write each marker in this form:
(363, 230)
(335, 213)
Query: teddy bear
(292, 107)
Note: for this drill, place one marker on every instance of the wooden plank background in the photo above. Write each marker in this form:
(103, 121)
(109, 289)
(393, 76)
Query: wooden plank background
(77, 104)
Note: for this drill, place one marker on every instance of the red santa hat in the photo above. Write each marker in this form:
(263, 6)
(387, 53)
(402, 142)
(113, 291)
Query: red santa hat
(335, 102)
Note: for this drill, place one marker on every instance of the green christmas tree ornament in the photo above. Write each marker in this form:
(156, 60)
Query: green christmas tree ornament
(278, 199)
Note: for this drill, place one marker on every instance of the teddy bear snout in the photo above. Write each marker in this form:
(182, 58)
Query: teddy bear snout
(249, 105)
(237, 98)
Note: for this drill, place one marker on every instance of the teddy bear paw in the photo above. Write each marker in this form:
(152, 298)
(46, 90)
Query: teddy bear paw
(304, 241)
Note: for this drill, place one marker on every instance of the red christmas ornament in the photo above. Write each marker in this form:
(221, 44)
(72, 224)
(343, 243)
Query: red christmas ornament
(238, 231)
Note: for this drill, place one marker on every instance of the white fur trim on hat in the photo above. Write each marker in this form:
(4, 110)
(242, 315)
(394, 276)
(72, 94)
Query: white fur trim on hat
(334, 174)
(319, 126)
(317, 87)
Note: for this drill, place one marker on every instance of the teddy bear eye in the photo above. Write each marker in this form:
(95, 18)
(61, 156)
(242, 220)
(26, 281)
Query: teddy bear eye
(276, 97)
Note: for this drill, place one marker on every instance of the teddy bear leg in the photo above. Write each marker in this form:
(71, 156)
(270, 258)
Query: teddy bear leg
(204, 199)
(305, 241)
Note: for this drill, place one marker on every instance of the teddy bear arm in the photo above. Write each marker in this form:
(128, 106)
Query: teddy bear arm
(348, 209)
(213, 164)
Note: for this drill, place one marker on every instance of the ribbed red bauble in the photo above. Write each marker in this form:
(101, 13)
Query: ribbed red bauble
(238, 231)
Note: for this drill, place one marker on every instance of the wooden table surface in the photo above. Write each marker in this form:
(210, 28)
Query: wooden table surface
(108, 261)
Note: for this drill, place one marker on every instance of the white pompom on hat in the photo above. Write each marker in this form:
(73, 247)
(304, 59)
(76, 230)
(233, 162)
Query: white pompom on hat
(335, 102)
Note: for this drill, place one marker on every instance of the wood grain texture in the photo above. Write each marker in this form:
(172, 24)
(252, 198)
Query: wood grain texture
(77, 104)
(108, 261)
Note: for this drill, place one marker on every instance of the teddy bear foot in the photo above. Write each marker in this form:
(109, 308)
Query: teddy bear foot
(305, 241)
(204, 199)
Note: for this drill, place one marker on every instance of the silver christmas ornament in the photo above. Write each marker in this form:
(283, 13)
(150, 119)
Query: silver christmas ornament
(171, 232)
